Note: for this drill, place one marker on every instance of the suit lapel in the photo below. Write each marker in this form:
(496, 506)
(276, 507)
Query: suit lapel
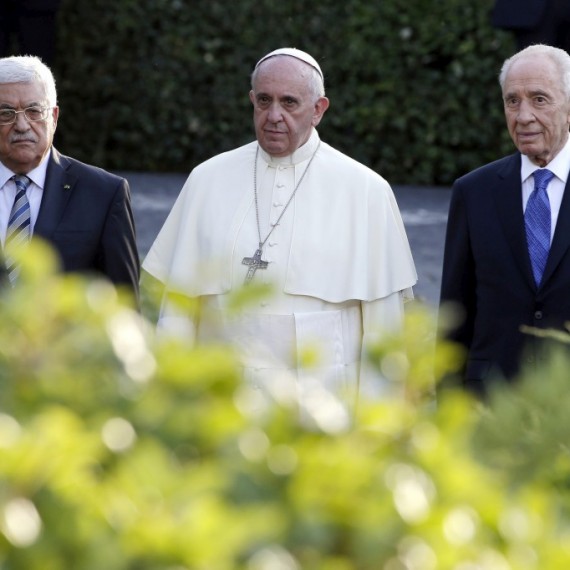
(57, 191)
(561, 240)
(508, 200)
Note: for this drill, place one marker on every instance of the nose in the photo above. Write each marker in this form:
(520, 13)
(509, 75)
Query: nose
(525, 114)
(274, 114)
(21, 123)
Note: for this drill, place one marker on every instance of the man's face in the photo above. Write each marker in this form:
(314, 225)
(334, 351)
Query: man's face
(23, 144)
(536, 108)
(284, 107)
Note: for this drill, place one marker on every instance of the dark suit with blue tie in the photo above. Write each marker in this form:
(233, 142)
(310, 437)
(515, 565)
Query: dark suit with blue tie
(487, 272)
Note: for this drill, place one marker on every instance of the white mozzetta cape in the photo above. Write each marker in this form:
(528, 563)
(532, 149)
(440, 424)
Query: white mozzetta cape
(348, 239)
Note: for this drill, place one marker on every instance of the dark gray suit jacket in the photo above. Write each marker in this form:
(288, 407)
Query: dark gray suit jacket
(86, 215)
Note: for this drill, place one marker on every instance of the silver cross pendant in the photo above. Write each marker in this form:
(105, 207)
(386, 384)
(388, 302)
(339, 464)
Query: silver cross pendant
(254, 264)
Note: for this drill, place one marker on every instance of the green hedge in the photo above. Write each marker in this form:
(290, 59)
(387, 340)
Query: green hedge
(160, 85)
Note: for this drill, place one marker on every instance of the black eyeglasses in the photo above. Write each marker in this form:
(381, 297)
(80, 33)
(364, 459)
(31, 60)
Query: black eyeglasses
(32, 114)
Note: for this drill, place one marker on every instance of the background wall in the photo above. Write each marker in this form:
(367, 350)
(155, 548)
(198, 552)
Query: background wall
(160, 85)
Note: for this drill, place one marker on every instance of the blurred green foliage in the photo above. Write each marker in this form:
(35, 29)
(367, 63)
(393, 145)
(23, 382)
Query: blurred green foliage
(124, 451)
(161, 85)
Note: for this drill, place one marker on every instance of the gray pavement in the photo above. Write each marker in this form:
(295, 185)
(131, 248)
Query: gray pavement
(424, 210)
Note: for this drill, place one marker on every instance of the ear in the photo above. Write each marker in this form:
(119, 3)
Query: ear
(321, 106)
(252, 97)
(55, 116)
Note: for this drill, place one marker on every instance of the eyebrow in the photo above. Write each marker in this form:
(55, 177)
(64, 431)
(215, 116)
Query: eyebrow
(26, 105)
(280, 98)
(534, 93)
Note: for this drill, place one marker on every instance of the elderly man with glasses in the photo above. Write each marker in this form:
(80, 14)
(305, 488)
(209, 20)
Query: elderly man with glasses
(83, 212)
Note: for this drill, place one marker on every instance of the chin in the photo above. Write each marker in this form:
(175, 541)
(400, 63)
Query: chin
(531, 151)
(274, 150)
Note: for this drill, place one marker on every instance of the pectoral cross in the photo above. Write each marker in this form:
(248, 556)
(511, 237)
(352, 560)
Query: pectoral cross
(254, 263)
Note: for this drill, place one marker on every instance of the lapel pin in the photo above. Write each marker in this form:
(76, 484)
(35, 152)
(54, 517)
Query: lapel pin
(66, 186)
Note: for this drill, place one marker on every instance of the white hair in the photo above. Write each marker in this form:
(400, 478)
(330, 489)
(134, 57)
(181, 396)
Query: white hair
(28, 69)
(558, 56)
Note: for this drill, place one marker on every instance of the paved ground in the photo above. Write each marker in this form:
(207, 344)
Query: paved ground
(424, 211)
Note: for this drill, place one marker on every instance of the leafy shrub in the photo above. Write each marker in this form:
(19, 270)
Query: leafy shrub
(123, 451)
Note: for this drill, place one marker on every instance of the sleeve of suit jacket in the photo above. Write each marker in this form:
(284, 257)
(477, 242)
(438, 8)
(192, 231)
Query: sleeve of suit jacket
(86, 215)
(118, 256)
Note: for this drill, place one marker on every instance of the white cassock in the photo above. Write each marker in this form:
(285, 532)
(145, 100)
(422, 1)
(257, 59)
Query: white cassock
(339, 260)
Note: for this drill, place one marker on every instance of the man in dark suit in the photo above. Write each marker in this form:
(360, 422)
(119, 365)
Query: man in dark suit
(82, 211)
(535, 21)
(507, 250)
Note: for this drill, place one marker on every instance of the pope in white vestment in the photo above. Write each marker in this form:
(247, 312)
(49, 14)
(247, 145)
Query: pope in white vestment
(334, 242)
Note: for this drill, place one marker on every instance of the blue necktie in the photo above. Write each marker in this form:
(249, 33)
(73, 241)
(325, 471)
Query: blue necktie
(19, 230)
(537, 222)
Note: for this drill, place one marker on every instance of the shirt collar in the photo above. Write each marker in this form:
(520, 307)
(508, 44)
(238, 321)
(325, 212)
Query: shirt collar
(559, 165)
(303, 153)
(37, 175)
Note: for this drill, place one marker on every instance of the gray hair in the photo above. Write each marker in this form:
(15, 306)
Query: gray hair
(316, 83)
(28, 69)
(558, 56)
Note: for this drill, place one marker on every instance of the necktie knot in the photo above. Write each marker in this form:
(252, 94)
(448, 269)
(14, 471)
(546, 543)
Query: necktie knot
(542, 177)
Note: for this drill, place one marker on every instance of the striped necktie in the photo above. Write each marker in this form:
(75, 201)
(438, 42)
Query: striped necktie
(19, 230)
(537, 223)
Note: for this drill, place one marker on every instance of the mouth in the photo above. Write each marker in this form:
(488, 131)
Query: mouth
(527, 136)
(274, 132)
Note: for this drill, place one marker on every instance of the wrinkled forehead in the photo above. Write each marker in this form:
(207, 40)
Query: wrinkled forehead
(294, 53)
(283, 71)
(536, 69)
(24, 91)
